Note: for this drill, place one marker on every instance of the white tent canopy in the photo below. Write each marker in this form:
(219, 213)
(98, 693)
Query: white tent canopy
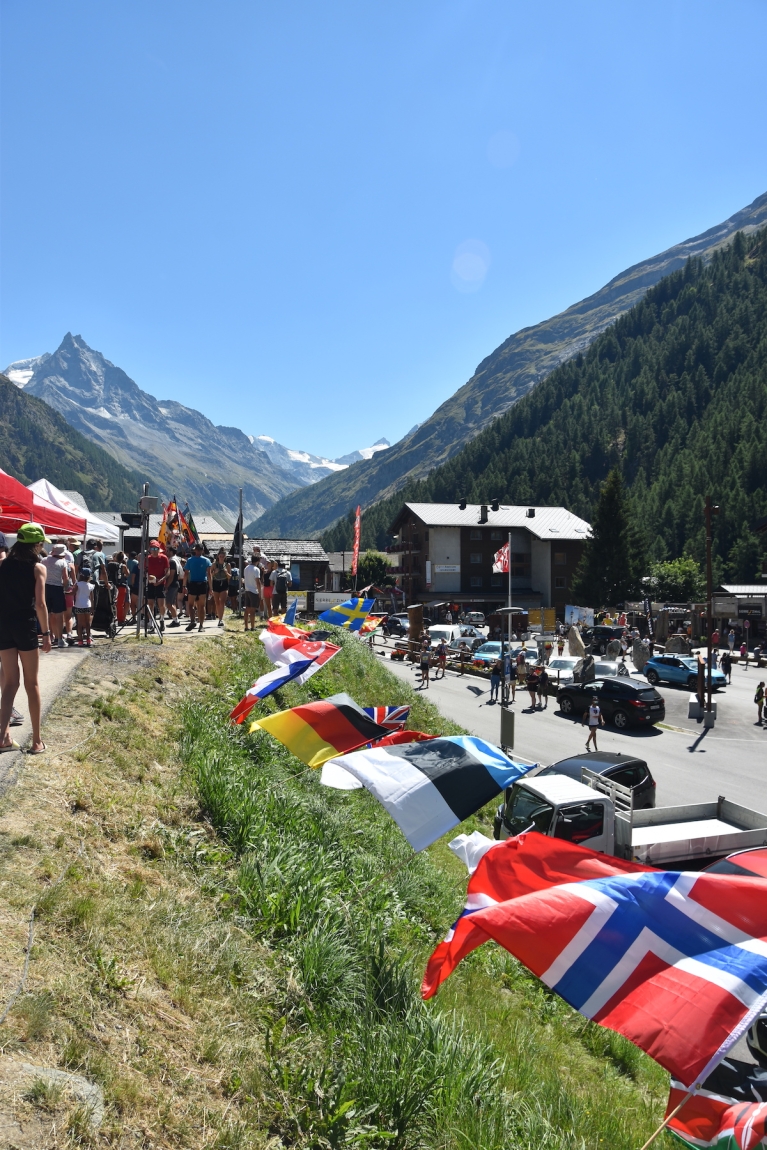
(97, 528)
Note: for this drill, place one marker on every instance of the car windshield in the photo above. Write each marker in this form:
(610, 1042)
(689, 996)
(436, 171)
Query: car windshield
(489, 649)
(563, 664)
(526, 810)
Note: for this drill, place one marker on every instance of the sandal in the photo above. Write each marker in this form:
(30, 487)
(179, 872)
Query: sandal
(42, 750)
(12, 746)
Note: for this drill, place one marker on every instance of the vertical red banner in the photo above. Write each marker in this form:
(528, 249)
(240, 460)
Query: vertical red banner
(356, 551)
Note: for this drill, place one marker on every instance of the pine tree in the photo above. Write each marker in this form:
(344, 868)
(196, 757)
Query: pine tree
(606, 575)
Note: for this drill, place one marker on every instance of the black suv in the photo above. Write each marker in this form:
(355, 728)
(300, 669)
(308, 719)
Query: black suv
(600, 636)
(624, 702)
(622, 769)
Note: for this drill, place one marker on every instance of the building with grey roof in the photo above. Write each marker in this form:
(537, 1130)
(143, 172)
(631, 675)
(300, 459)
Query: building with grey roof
(447, 553)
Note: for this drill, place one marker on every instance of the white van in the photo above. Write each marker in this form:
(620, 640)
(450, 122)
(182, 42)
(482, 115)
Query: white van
(452, 631)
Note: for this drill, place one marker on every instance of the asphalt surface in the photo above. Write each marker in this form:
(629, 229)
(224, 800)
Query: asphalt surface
(689, 763)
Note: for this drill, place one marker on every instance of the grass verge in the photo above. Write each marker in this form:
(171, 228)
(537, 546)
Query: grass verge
(233, 952)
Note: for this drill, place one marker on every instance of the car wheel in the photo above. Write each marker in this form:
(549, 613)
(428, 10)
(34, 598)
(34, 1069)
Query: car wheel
(653, 678)
(620, 720)
(692, 682)
(566, 705)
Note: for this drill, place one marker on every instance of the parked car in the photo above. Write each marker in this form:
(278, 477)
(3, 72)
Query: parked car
(748, 862)
(470, 639)
(600, 636)
(475, 617)
(562, 668)
(609, 668)
(624, 702)
(623, 769)
(453, 631)
(395, 625)
(680, 669)
(486, 654)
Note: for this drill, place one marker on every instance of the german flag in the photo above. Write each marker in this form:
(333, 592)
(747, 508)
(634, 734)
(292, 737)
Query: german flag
(316, 732)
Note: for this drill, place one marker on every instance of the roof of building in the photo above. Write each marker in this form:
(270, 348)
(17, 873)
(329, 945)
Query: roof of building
(745, 588)
(206, 525)
(77, 498)
(114, 517)
(310, 550)
(547, 523)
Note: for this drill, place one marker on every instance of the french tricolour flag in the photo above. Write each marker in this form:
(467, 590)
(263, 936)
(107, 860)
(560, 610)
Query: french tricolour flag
(296, 660)
(676, 962)
(427, 787)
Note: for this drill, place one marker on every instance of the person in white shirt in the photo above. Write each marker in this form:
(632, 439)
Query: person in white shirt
(251, 581)
(84, 592)
(595, 720)
(57, 574)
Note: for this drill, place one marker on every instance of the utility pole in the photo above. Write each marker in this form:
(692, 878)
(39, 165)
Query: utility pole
(711, 510)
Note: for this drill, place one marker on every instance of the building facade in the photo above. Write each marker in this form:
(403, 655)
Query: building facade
(447, 553)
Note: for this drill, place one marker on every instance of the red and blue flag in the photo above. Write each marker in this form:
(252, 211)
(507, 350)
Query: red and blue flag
(674, 961)
(393, 718)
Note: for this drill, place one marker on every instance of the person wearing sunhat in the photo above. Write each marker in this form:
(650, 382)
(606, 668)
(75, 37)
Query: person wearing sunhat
(22, 607)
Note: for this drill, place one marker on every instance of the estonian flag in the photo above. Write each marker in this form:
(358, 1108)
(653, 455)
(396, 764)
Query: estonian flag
(427, 787)
(351, 614)
(315, 732)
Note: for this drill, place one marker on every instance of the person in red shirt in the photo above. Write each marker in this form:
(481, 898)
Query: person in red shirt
(157, 568)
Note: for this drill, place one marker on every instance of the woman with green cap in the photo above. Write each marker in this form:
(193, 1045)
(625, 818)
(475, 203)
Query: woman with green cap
(22, 607)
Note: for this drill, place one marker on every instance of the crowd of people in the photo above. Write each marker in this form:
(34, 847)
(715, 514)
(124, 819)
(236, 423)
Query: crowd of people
(49, 590)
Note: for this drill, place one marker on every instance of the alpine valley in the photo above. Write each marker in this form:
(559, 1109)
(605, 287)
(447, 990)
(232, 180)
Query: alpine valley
(179, 450)
(499, 382)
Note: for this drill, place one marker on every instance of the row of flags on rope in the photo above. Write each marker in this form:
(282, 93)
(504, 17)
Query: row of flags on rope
(676, 962)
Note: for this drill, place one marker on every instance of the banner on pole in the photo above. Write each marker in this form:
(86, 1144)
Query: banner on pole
(356, 551)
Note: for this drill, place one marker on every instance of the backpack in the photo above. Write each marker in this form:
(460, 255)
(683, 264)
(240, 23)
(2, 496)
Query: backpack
(281, 583)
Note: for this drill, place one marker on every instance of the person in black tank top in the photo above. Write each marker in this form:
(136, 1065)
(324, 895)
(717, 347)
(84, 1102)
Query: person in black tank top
(220, 573)
(22, 607)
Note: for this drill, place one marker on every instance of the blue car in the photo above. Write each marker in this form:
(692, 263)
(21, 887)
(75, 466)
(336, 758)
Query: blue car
(679, 669)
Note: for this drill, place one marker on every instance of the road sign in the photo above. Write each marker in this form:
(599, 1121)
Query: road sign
(747, 623)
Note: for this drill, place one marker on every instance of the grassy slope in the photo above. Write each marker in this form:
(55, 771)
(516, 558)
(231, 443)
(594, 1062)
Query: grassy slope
(234, 955)
(38, 443)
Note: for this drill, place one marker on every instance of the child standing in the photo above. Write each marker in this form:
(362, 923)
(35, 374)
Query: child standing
(84, 607)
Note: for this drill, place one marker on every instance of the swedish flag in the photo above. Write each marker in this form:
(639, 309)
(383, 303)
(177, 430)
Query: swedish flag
(351, 614)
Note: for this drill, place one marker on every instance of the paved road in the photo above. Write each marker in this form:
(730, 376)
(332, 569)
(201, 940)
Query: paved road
(688, 762)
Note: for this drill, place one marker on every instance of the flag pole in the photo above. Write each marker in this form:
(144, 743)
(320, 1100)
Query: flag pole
(668, 1118)
(240, 561)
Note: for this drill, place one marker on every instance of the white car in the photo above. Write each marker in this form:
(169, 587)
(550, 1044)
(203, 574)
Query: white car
(562, 669)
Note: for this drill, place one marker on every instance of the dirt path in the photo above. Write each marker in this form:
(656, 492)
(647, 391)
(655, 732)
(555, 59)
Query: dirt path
(56, 671)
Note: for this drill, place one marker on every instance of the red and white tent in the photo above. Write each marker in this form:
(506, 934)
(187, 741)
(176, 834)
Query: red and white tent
(18, 504)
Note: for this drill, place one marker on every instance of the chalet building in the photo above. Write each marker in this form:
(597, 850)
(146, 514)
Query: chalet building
(447, 554)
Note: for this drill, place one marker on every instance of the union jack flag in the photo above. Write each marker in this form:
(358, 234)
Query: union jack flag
(391, 717)
(674, 961)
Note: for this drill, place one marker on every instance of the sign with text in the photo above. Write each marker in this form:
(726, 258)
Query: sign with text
(325, 599)
(724, 606)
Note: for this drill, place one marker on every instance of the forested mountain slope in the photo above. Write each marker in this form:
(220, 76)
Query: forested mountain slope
(36, 442)
(499, 382)
(674, 394)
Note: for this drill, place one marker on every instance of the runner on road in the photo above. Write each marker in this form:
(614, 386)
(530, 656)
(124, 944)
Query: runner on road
(595, 720)
(425, 662)
(759, 700)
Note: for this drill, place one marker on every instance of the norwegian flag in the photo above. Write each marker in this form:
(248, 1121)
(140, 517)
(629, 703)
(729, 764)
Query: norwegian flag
(393, 718)
(675, 962)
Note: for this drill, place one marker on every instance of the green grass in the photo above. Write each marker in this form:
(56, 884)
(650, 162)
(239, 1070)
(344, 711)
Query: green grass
(325, 881)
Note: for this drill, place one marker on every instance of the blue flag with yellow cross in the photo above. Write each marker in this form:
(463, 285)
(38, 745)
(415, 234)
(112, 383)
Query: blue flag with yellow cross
(351, 614)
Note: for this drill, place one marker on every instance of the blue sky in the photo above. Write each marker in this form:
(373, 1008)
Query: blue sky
(314, 220)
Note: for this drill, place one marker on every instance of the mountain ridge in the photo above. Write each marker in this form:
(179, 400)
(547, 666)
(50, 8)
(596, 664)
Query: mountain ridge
(500, 380)
(36, 442)
(176, 445)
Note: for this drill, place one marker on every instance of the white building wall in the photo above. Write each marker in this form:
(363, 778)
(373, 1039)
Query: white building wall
(540, 568)
(445, 551)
